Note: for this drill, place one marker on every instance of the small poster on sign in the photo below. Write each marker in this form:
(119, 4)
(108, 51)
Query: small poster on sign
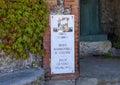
(62, 44)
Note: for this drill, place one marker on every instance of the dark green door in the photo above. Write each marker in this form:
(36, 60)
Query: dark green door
(89, 21)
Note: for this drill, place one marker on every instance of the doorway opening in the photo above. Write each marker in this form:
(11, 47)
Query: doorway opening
(90, 29)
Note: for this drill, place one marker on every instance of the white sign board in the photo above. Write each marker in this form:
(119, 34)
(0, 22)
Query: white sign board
(62, 44)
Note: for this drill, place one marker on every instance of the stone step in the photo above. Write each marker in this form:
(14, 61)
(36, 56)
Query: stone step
(31, 76)
(95, 48)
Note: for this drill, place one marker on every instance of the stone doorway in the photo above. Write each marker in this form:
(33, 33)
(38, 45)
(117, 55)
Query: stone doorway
(93, 39)
(90, 29)
(100, 66)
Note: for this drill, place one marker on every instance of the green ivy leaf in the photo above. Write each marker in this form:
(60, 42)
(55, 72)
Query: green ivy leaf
(22, 22)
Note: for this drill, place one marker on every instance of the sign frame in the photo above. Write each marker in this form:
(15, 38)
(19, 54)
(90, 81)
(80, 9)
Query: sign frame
(62, 44)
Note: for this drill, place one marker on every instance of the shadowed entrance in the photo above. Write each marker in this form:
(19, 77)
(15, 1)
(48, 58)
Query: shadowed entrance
(90, 29)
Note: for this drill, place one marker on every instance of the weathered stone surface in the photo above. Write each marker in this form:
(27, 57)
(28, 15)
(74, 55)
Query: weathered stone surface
(110, 18)
(8, 64)
(87, 81)
(60, 9)
(115, 52)
(96, 81)
(60, 2)
(67, 10)
(57, 10)
(60, 82)
(95, 48)
(31, 76)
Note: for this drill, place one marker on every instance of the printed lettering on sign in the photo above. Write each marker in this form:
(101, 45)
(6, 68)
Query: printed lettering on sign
(62, 44)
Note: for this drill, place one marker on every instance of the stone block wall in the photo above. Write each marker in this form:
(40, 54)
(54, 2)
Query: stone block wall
(110, 14)
(61, 7)
(106, 16)
(117, 18)
(10, 64)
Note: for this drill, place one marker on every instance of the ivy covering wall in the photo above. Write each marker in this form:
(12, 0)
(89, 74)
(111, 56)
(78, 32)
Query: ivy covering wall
(22, 26)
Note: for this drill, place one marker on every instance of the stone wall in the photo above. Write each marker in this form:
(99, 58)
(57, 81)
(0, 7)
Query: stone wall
(117, 18)
(61, 7)
(110, 14)
(106, 16)
(9, 64)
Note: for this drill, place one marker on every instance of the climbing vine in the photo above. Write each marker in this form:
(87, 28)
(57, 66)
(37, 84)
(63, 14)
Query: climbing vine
(22, 25)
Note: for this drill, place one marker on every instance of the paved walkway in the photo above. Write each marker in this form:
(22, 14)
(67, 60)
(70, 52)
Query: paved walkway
(95, 70)
(100, 67)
